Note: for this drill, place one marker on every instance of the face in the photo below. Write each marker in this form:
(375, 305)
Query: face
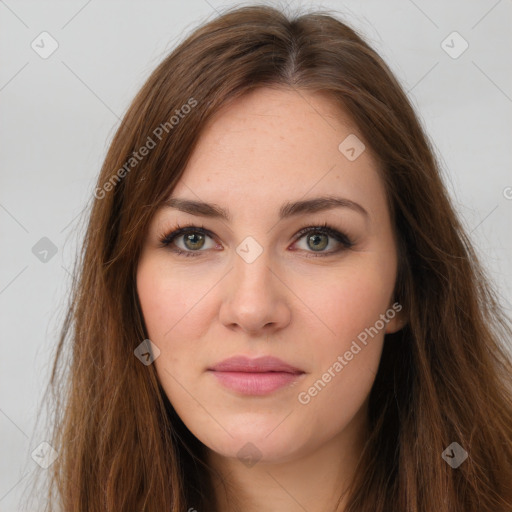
(309, 283)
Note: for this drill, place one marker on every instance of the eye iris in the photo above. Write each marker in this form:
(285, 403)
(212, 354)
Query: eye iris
(194, 240)
(318, 243)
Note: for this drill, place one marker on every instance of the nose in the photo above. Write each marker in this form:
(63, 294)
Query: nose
(255, 299)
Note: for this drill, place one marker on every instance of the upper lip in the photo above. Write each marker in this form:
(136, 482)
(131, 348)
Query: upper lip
(258, 365)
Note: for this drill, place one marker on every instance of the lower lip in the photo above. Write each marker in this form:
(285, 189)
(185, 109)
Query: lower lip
(249, 383)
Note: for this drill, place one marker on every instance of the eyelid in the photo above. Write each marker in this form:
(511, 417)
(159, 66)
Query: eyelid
(328, 230)
(167, 239)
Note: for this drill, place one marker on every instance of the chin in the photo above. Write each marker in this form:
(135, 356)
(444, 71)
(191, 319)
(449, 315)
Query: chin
(257, 444)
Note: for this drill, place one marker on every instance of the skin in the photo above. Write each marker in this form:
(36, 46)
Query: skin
(266, 148)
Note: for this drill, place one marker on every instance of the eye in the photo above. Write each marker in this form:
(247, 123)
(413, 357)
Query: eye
(188, 240)
(319, 238)
(191, 240)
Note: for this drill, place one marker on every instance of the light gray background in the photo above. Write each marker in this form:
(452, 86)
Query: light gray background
(59, 114)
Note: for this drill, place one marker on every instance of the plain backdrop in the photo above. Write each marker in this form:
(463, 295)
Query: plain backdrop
(58, 115)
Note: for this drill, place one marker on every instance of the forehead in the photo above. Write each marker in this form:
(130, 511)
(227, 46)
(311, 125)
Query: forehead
(275, 143)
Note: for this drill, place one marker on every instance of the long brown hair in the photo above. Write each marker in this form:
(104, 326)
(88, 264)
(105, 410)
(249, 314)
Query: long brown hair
(445, 377)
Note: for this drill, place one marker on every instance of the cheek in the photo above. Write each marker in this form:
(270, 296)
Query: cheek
(171, 301)
(173, 306)
(350, 307)
(347, 354)
(348, 301)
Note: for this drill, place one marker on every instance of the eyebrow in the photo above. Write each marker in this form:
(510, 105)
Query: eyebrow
(287, 210)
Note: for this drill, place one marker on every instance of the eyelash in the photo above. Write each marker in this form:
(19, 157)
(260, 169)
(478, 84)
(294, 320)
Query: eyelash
(167, 239)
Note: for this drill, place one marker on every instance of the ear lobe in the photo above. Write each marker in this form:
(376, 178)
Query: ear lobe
(397, 318)
(395, 325)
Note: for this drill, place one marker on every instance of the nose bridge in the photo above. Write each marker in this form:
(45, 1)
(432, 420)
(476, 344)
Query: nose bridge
(255, 299)
(252, 272)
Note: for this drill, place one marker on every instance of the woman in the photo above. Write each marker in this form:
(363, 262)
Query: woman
(277, 308)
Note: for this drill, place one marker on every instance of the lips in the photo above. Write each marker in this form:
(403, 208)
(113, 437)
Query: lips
(263, 364)
(259, 376)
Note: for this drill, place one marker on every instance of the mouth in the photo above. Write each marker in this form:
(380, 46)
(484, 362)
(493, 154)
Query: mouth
(258, 376)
